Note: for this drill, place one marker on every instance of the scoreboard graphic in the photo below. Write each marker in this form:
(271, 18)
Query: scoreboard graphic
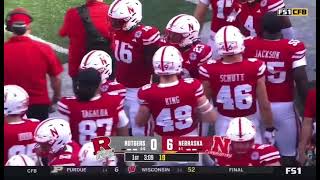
(153, 149)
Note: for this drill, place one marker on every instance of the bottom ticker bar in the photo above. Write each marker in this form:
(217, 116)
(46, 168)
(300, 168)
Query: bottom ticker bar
(105, 171)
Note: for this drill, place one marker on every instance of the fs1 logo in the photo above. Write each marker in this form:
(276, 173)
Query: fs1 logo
(293, 12)
(293, 170)
(102, 148)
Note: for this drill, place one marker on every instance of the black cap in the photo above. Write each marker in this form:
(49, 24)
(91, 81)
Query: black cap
(271, 23)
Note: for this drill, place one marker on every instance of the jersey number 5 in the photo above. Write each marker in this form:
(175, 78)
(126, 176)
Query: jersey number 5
(123, 52)
(242, 97)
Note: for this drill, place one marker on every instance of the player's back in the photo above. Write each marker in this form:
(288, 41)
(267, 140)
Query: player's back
(233, 85)
(18, 138)
(221, 9)
(132, 69)
(249, 20)
(281, 57)
(97, 117)
(259, 155)
(173, 106)
(66, 157)
(193, 56)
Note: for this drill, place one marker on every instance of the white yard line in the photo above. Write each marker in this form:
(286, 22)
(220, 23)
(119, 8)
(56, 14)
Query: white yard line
(53, 46)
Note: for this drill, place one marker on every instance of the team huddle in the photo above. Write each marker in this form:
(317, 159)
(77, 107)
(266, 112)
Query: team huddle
(240, 85)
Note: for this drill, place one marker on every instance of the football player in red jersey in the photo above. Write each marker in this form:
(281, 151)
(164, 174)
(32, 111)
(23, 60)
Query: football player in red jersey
(174, 104)
(182, 32)
(308, 131)
(133, 45)
(173, 110)
(235, 84)
(249, 20)
(224, 12)
(18, 131)
(286, 62)
(91, 113)
(53, 137)
(102, 62)
(243, 150)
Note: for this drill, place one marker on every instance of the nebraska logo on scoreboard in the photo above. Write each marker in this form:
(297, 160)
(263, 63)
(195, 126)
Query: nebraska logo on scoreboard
(102, 148)
(216, 145)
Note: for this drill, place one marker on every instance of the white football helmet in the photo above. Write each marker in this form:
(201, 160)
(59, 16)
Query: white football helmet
(20, 160)
(183, 30)
(229, 41)
(54, 133)
(99, 60)
(167, 60)
(241, 129)
(16, 100)
(125, 14)
(87, 158)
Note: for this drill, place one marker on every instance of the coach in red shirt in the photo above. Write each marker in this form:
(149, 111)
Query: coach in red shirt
(28, 62)
(74, 29)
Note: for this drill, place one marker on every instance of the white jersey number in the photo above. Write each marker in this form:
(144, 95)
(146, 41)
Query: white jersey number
(276, 76)
(21, 149)
(123, 52)
(89, 128)
(182, 116)
(221, 4)
(249, 26)
(242, 97)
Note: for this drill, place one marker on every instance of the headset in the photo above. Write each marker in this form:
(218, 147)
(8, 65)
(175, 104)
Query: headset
(18, 28)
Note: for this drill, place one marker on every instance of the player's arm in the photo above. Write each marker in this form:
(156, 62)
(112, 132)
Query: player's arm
(201, 10)
(205, 77)
(55, 82)
(122, 124)
(301, 81)
(206, 110)
(306, 133)
(143, 115)
(306, 130)
(207, 89)
(287, 29)
(63, 109)
(264, 103)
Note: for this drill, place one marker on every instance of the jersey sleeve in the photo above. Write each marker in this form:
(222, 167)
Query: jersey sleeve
(63, 107)
(150, 35)
(204, 52)
(261, 68)
(308, 109)
(198, 88)
(268, 154)
(298, 53)
(273, 5)
(203, 72)
(143, 94)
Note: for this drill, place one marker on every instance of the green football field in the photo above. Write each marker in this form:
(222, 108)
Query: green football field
(48, 15)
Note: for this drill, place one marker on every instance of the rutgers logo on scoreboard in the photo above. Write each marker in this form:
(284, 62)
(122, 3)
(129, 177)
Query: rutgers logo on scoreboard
(293, 12)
